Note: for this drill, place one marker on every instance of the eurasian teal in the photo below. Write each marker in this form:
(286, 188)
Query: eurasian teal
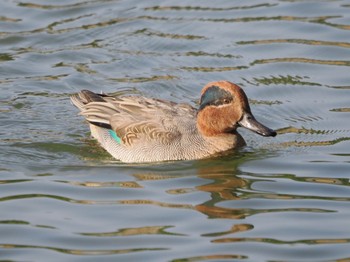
(140, 129)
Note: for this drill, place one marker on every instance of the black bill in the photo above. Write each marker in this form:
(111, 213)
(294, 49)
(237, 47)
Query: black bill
(248, 121)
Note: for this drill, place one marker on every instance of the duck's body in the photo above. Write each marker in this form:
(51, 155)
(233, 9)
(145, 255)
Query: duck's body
(139, 129)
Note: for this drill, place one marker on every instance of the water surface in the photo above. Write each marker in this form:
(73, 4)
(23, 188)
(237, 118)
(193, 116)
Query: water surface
(278, 199)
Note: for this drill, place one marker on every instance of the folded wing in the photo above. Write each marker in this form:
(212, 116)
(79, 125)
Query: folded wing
(134, 119)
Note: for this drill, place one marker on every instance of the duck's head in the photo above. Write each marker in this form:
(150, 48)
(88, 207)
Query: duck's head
(224, 107)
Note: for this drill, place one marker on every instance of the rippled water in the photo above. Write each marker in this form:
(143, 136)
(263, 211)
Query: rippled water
(62, 198)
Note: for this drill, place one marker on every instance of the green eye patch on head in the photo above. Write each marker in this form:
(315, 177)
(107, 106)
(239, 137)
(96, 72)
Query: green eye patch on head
(215, 96)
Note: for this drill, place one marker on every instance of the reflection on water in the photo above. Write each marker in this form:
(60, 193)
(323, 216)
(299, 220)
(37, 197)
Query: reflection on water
(281, 199)
(155, 230)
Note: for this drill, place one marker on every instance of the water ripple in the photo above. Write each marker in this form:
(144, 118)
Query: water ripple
(55, 197)
(314, 143)
(295, 41)
(319, 20)
(149, 32)
(202, 8)
(155, 203)
(80, 252)
(213, 257)
(124, 184)
(301, 60)
(284, 242)
(64, 6)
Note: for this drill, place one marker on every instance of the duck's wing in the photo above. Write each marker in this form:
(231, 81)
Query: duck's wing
(135, 119)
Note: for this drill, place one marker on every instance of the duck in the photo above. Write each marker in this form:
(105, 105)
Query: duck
(138, 129)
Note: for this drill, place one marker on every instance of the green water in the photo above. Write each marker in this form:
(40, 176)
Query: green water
(62, 198)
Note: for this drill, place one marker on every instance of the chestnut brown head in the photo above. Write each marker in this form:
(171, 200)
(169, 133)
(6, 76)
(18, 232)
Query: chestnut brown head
(224, 107)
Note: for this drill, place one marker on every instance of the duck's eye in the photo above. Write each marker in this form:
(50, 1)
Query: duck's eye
(226, 101)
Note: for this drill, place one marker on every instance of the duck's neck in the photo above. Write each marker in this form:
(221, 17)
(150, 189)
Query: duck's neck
(224, 141)
(216, 133)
